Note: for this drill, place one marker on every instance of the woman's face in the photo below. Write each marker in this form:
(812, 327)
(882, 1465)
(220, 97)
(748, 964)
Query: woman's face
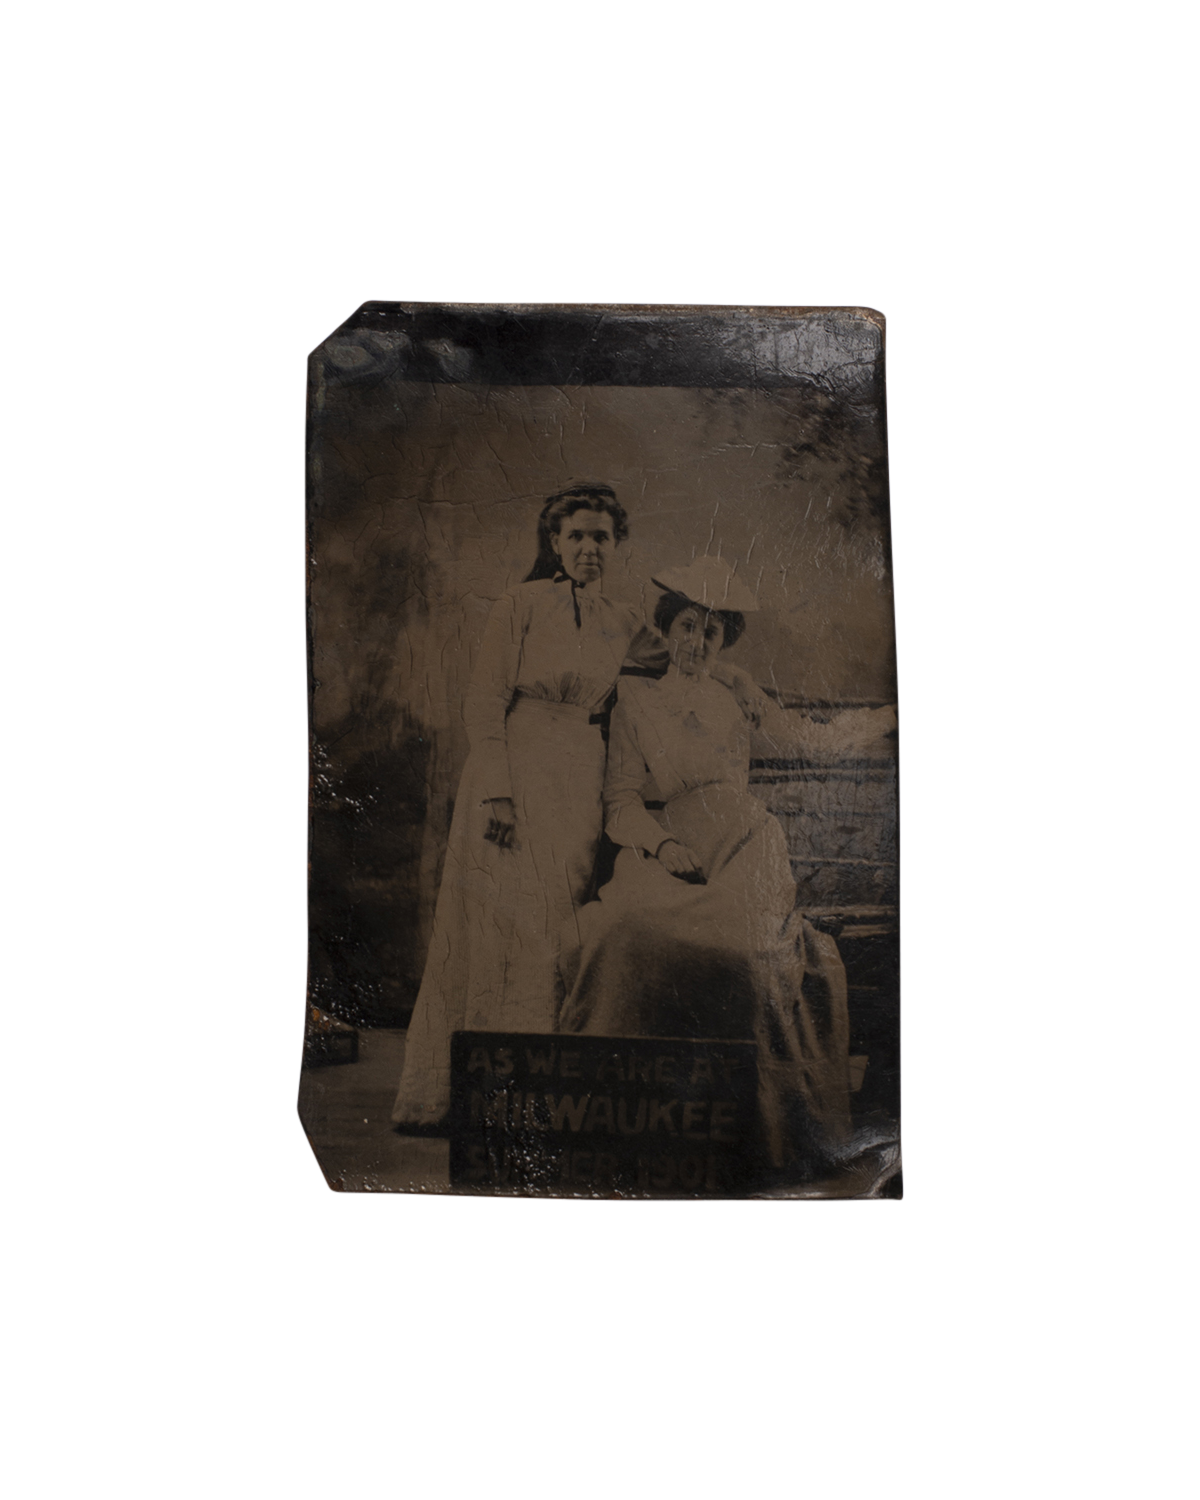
(584, 544)
(695, 637)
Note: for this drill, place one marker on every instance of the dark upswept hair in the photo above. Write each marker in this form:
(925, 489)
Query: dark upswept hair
(556, 510)
(671, 605)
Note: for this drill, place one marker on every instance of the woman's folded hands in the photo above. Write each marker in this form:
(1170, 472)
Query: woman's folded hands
(680, 861)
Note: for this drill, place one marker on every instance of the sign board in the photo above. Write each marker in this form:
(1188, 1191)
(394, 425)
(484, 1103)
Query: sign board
(587, 1116)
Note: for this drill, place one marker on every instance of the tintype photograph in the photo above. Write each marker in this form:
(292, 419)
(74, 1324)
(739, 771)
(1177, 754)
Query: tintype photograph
(604, 845)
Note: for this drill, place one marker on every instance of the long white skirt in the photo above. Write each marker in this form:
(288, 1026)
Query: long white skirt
(492, 962)
(657, 956)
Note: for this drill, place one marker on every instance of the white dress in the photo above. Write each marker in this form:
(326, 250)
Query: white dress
(549, 658)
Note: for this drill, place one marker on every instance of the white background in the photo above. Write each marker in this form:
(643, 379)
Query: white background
(199, 195)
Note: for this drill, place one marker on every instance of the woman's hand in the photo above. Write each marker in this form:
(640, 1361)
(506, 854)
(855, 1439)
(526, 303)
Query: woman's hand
(753, 703)
(502, 823)
(680, 861)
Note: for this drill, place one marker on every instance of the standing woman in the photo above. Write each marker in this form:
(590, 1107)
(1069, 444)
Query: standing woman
(527, 818)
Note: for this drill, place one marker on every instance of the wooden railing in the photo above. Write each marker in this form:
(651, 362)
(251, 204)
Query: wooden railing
(839, 815)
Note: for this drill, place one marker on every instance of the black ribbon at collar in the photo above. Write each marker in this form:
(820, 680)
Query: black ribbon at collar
(562, 576)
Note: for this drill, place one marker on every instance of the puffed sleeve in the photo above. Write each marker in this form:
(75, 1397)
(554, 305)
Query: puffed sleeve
(647, 654)
(490, 694)
(626, 820)
(753, 702)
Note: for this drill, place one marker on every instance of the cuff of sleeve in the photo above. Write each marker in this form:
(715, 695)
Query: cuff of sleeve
(634, 828)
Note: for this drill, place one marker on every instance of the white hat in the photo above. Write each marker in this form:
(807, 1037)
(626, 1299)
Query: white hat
(709, 581)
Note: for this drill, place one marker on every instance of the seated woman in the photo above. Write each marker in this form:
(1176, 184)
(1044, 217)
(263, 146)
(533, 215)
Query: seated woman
(697, 934)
